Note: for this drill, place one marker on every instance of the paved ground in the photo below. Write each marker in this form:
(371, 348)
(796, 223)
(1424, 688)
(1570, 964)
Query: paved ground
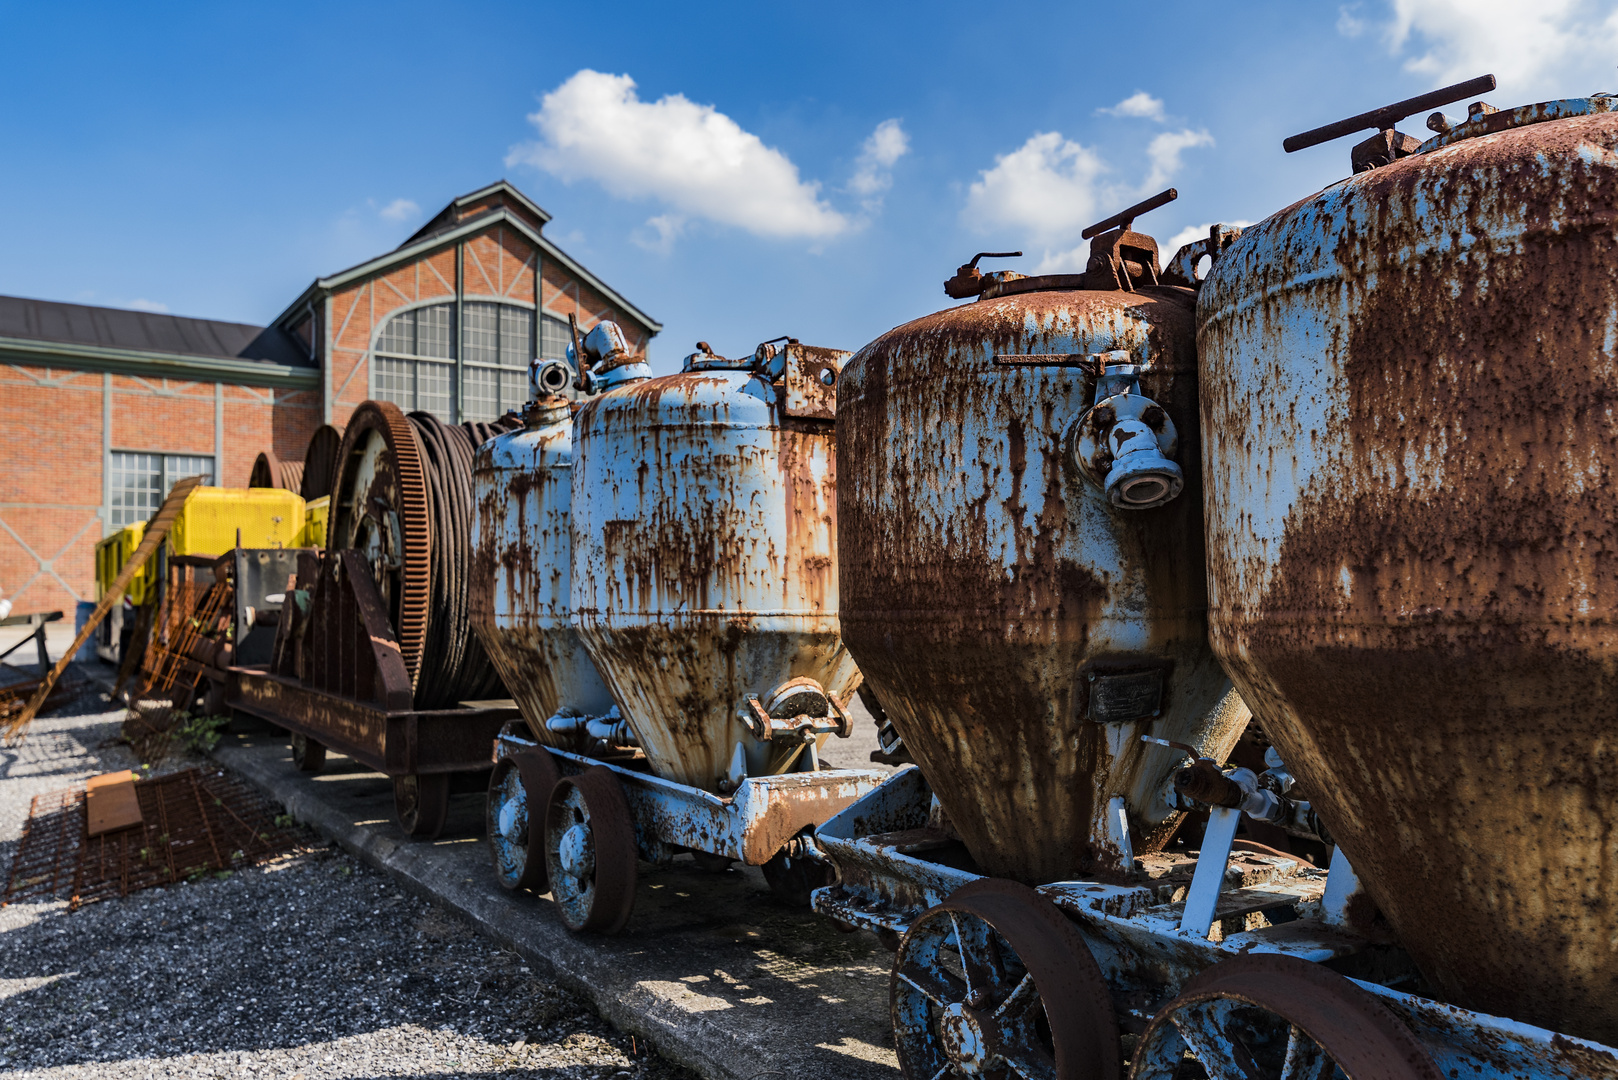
(712, 969)
(368, 961)
(316, 966)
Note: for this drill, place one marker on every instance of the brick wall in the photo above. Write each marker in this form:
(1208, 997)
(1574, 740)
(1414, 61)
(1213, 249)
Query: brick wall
(496, 264)
(51, 443)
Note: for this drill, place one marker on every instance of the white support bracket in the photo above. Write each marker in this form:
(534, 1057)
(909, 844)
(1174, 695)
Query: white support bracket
(1203, 896)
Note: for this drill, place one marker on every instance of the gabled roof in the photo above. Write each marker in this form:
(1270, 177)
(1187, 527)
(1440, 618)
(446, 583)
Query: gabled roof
(51, 333)
(499, 193)
(498, 204)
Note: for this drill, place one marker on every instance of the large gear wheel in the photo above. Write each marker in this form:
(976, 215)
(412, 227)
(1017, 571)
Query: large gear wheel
(379, 508)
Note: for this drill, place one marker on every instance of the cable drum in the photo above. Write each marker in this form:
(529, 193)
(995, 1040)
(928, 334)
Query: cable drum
(454, 659)
(402, 497)
(320, 462)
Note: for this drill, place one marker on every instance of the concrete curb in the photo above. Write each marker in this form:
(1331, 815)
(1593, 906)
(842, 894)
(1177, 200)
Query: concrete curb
(824, 1034)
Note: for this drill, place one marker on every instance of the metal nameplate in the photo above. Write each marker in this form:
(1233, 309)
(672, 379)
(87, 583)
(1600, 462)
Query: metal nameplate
(1116, 699)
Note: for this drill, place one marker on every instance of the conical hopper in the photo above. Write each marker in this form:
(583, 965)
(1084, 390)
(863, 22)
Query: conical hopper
(1410, 383)
(705, 559)
(1022, 632)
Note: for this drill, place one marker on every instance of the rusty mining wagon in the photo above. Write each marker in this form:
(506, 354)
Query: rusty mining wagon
(373, 656)
(657, 578)
(1390, 444)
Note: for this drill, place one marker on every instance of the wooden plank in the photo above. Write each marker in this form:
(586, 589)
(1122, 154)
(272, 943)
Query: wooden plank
(110, 802)
(157, 531)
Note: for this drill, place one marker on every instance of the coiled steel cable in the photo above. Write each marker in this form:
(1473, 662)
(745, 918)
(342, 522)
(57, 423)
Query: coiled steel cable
(454, 666)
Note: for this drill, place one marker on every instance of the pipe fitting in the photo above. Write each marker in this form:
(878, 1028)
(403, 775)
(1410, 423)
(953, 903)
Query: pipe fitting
(1125, 443)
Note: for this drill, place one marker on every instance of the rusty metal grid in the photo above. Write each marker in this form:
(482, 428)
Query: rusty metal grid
(195, 822)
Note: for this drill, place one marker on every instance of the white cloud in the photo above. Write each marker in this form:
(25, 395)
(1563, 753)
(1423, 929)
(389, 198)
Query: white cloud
(1140, 104)
(660, 233)
(694, 159)
(1046, 191)
(1349, 23)
(1164, 154)
(873, 171)
(399, 210)
(1534, 48)
(147, 305)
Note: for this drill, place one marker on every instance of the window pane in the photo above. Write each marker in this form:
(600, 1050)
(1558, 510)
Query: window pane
(480, 340)
(513, 390)
(435, 389)
(556, 339)
(399, 336)
(479, 393)
(396, 382)
(516, 336)
(137, 480)
(435, 331)
(177, 467)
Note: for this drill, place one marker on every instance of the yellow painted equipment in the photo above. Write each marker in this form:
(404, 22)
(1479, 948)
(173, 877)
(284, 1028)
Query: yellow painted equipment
(314, 522)
(209, 523)
(111, 554)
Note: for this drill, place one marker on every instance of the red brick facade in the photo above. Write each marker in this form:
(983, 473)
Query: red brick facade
(54, 420)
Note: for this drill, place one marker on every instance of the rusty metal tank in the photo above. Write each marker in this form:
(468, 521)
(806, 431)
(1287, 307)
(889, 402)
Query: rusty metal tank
(1410, 408)
(705, 558)
(1027, 603)
(520, 576)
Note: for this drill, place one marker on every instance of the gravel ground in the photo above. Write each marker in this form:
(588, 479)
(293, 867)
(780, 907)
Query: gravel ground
(311, 967)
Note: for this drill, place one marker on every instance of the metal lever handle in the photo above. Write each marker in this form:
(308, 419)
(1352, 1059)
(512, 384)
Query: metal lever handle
(1389, 115)
(1126, 218)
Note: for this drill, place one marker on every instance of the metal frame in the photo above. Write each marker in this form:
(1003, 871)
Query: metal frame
(750, 825)
(395, 743)
(1148, 945)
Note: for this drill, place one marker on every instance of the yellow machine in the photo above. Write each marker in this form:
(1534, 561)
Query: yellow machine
(314, 528)
(111, 554)
(213, 518)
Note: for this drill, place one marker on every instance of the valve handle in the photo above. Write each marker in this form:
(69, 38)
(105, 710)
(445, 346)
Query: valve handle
(1126, 218)
(1388, 115)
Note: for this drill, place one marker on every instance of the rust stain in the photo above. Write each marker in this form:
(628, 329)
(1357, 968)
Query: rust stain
(1413, 544)
(979, 576)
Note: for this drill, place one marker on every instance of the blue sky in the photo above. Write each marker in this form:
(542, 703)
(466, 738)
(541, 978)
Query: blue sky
(739, 171)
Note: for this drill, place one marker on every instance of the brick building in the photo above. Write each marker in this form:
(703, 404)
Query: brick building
(101, 409)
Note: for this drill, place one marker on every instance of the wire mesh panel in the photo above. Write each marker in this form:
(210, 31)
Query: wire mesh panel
(193, 823)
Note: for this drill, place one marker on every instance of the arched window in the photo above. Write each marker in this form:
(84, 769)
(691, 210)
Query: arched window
(497, 344)
(555, 338)
(415, 360)
(416, 353)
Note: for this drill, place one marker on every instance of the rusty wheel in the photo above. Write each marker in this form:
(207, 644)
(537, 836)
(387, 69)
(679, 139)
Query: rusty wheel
(996, 982)
(379, 508)
(307, 755)
(519, 790)
(590, 851)
(1278, 1016)
(421, 803)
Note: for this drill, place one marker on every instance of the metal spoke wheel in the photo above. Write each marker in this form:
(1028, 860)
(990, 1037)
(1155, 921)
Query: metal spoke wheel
(996, 982)
(1277, 1018)
(590, 851)
(421, 803)
(793, 877)
(307, 755)
(519, 789)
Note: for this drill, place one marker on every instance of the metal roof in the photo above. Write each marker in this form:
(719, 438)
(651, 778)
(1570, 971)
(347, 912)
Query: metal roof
(23, 319)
